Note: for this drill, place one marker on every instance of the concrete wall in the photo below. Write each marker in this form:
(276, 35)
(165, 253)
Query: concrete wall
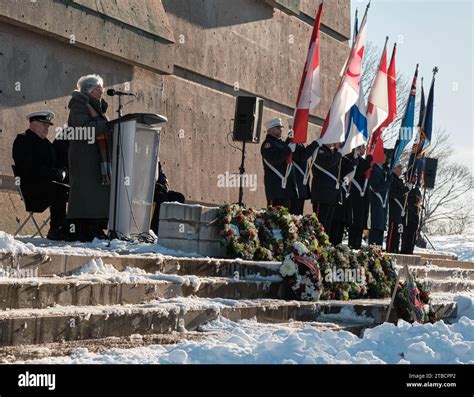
(184, 58)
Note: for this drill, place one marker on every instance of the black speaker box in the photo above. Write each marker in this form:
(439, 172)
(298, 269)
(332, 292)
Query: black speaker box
(248, 119)
(431, 165)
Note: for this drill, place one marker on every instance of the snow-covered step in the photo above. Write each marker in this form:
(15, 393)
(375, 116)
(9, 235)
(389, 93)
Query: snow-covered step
(33, 326)
(65, 264)
(451, 286)
(46, 264)
(44, 292)
(440, 273)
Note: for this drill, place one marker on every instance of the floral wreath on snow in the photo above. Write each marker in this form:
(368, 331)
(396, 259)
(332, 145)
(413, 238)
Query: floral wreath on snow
(276, 231)
(238, 229)
(413, 303)
(311, 232)
(301, 273)
(379, 270)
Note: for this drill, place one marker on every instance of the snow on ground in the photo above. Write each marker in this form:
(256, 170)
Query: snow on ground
(461, 245)
(249, 342)
(27, 245)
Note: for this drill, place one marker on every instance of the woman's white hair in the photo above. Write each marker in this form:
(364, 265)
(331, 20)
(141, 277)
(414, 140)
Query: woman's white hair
(87, 83)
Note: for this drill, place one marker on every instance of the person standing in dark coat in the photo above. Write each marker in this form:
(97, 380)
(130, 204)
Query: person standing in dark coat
(359, 199)
(39, 176)
(275, 153)
(379, 184)
(412, 217)
(89, 197)
(325, 184)
(301, 169)
(342, 211)
(395, 210)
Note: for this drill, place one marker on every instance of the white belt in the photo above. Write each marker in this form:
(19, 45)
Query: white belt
(278, 173)
(400, 205)
(359, 188)
(300, 170)
(328, 174)
(382, 201)
(310, 165)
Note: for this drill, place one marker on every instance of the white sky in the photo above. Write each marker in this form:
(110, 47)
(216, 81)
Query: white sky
(433, 33)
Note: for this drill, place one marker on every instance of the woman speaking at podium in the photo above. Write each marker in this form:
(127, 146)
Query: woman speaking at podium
(89, 160)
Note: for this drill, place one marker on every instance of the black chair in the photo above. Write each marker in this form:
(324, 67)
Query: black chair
(30, 213)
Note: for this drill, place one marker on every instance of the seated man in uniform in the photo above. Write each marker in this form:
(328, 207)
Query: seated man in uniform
(39, 175)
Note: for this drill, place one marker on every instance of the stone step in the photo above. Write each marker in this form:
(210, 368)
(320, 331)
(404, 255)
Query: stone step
(440, 273)
(53, 264)
(451, 286)
(37, 326)
(46, 292)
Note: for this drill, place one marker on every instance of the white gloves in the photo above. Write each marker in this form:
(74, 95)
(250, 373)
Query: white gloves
(292, 147)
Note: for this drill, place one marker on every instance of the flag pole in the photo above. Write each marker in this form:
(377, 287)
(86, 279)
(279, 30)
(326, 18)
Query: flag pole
(371, 144)
(416, 146)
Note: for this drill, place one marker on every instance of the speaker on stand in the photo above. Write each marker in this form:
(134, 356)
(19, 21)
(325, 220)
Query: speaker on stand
(247, 128)
(430, 167)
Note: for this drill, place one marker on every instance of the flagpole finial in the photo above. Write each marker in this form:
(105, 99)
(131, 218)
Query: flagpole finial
(368, 5)
(435, 70)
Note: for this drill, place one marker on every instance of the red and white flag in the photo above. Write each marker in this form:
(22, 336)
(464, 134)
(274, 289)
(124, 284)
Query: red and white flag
(377, 108)
(335, 125)
(309, 94)
(392, 105)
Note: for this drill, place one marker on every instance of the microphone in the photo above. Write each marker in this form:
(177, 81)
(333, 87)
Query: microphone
(112, 92)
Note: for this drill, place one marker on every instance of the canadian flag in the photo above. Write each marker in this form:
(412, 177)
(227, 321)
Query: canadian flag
(309, 94)
(377, 108)
(347, 95)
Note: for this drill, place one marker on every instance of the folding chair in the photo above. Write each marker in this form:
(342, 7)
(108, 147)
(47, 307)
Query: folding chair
(30, 213)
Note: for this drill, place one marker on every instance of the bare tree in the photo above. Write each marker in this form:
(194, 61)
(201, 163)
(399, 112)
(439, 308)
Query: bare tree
(449, 206)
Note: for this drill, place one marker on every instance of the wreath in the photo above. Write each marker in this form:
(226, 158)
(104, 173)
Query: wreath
(301, 273)
(380, 272)
(276, 231)
(413, 303)
(238, 230)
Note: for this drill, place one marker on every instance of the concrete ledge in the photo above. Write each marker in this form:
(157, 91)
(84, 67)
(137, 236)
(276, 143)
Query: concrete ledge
(43, 293)
(80, 323)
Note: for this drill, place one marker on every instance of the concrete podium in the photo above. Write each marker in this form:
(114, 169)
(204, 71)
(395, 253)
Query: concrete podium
(135, 154)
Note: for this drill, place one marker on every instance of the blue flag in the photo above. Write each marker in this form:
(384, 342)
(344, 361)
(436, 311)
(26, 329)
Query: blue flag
(406, 130)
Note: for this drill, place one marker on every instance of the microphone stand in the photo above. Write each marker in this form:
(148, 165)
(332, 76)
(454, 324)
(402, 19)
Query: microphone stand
(113, 233)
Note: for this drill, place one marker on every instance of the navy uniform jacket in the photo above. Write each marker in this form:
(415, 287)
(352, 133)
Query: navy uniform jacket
(413, 205)
(342, 211)
(323, 187)
(396, 200)
(35, 164)
(276, 152)
(359, 203)
(300, 158)
(379, 187)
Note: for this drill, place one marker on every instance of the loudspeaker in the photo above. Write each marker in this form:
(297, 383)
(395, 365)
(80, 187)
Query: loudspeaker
(429, 174)
(248, 119)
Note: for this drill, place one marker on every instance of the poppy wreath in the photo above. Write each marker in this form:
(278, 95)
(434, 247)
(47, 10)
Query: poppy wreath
(414, 304)
(379, 271)
(276, 231)
(301, 273)
(238, 231)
